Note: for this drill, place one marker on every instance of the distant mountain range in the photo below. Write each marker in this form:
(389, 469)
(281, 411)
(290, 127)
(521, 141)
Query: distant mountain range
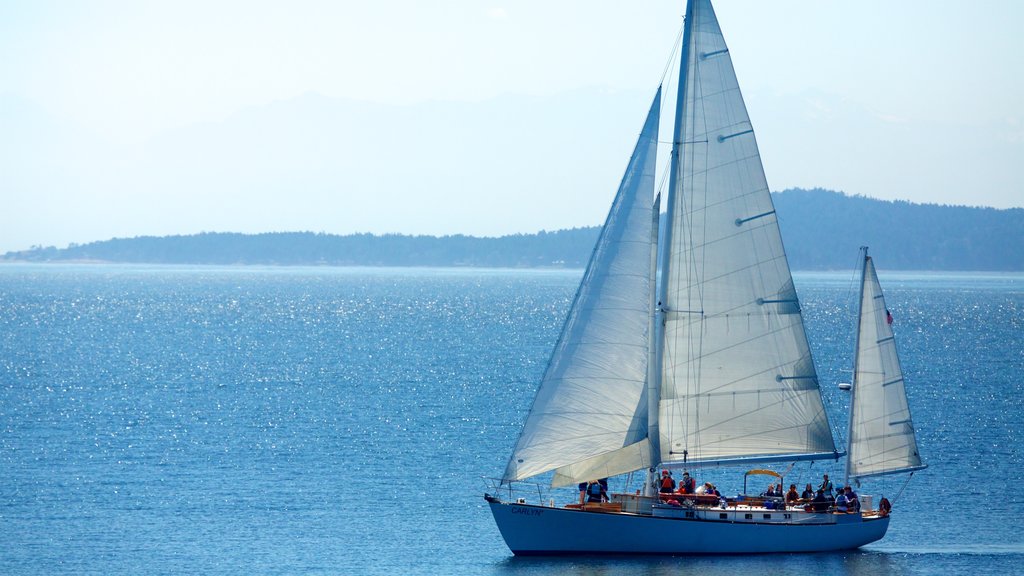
(822, 230)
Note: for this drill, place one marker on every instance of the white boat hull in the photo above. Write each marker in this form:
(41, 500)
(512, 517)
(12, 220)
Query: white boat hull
(540, 530)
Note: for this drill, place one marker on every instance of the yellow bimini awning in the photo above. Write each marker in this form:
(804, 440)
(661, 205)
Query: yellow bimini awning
(764, 473)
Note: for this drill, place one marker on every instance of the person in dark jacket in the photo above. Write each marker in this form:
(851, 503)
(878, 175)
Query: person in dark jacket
(687, 485)
(820, 503)
(808, 494)
(596, 492)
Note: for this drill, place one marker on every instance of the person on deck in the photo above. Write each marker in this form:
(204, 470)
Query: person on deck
(808, 494)
(596, 492)
(826, 486)
(667, 483)
(884, 507)
(842, 505)
(687, 485)
(792, 496)
(852, 502)
(706, 489)
(820, 502)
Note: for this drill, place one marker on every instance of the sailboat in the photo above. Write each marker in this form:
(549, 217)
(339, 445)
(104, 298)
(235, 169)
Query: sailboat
(685, 347)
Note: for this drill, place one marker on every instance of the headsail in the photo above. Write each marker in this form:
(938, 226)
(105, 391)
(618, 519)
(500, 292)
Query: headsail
(882, 439)
(738, 381)
(591, 401)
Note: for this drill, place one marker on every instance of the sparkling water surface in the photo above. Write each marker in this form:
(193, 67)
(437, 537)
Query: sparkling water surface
(340, 420)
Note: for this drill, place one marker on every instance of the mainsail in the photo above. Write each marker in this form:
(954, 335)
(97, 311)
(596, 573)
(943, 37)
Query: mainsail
(737, 379)
(882, 439)
(592, 403)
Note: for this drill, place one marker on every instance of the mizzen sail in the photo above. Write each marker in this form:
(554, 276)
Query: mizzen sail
(882, 439)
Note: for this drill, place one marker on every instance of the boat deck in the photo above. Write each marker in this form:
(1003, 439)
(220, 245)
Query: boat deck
(760, 511)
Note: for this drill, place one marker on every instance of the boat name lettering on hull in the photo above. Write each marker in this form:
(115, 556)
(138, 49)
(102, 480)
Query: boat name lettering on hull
(527, 511)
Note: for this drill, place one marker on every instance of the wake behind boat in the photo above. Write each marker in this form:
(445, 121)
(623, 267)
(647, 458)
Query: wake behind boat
(685, 347)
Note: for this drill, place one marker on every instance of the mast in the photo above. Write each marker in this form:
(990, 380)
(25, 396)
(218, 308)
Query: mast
(856, 357)
(653, 368)
(660, 311)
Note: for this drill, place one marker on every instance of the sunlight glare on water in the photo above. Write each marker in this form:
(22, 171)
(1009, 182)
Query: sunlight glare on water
(332, 420)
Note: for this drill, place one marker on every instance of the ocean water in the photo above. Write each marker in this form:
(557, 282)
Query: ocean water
(181, 420)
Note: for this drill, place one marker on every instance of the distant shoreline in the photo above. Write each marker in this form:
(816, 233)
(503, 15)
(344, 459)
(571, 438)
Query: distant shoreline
(822, 230)
(579, 270)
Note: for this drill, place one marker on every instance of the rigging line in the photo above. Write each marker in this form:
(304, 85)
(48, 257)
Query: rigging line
(694, 299)
(853, 309)
(900, 493)
(673, 52)
(678, 215)
(664, 176)
(680, 269)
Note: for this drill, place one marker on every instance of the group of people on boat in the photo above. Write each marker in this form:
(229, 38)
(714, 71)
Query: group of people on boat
(846, 500)
(667, 484)
(671, 493)
(825, 498)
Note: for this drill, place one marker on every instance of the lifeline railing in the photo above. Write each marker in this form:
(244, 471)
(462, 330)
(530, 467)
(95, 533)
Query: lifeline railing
(521, 492)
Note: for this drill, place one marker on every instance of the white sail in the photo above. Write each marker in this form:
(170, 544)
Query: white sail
(738, 381)
(592, 398)
(626, 459)
(882, 439)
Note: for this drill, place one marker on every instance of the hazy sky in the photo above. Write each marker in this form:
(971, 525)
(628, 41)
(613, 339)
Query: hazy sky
(129, 118)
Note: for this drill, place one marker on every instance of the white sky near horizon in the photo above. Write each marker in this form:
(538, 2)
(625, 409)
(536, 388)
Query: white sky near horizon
(921, 100)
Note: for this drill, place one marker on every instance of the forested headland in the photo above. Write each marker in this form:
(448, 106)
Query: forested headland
(822, 230)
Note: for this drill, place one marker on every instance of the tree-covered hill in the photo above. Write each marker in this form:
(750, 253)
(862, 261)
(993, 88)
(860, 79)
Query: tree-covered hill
(565, 248)
(821, 229)
(824, 229)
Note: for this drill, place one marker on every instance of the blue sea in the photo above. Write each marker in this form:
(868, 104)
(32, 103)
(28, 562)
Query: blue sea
(239, 420)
